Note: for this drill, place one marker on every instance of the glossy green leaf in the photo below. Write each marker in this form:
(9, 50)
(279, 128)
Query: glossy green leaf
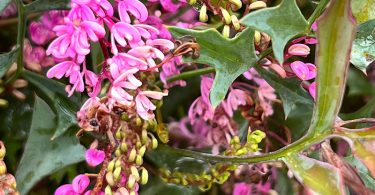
(320, 177)
(45, 5)
(6, 61)
(43, 156)
(282, 23)
(157, 186)
(4, 4)
(363, 51)
(336, 28)
(54, 94)
(229, 57)
(363, 10)
(292, 94)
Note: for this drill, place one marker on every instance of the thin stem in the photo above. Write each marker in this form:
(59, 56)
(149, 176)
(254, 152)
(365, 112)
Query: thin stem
(20, 40)
(317, 12)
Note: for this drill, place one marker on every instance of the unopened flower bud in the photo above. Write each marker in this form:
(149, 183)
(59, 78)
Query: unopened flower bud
(117, 163)
(138, 160)
(142, 150)
(191, 2)
(236, 3)
(154, 143)
(2, 150)
(254, 147)
(123, 191)
(152, 125)
(125, 117)
(3, 103)
(138, 144)
(259, 133)
(135, 172)
(257, 5)
(144, 176)
(132, 193)
(203, 17)
(118, 152)
(109, 178)
(144, 136)
(132, 155)
(3, 168)
(235, 22)
(118, 134)
(111, 166)
(131, 182)
(236, 139)
(299, 50)
(226, 31)
(124, 147)
(116, 173)
(226, 16)
(241, 152)
(138, 121)
(108, 190)
(257, 37)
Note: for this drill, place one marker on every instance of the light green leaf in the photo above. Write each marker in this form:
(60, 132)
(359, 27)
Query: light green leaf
(362, 170)
(282, 23)
(292, 94)
(45, 5)
(336, 28)
(43, 156)
(54, 94)
(4, 4)
(363, 10)
(363, 51)
(320, 177)
(6, 61)
(364, 150)
(229, 57)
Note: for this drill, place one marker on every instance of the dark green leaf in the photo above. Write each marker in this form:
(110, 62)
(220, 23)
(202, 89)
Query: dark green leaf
(292, 94)
(4, 4)
(6, 60)
(229, 57)
(45, 5)
(363, 10)
(54, 94)
(320, 177)
(282, 23)
(363, 51)
(363, 171)
(43, 156)
(283, 185)
(156, 186)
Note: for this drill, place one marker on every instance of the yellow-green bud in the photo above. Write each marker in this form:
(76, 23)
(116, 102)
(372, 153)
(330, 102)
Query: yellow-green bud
(203, 17)
(226, 31)
(226, 16)
(257, 5)
(116, 173)
(2, 150)
(3, 168)
(3, 103)
(131, 182)
(257, 37)
(144, 137)
(138, 121)
(236, 140)
(139, 160)
(125, 117)
(138, 144)
(144, 176)
(259, 133)
(236, 3)
(241, 152)
(108, 190)
(117, 163)
(118, 134)
(135, 172)
(109, 179)
(132, 193)
(254, 147)
(142, 150)
(235, 22)
(154, 143)
(122, 191)
(191, 2)
(124, 147)
(118, 152)
(111, 166)
(132, 155)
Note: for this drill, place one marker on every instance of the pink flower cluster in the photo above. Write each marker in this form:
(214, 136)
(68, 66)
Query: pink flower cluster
(78, 187)
(133, 47)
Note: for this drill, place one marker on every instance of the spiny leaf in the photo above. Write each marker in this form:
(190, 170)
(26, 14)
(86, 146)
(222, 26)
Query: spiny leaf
(45, 5)
(54, 94)
(363, 10)
(320, 177)
(282, 23)
(229, 57)
(42, 156)
(363, 51)
(6, 61)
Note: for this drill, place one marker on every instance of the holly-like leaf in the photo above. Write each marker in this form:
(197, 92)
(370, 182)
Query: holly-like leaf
(294, 97)
(45, 5)
(54, 94)
(282, 23)
(320, 177)
(4, 4)
(363, 10)
(43, 156)
(229, 57)
(6, 60)
(363, 51)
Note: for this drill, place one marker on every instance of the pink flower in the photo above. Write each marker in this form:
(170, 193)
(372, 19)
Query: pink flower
(40, 34)
(126, 80)
(120, 31)
(312, 90)
(304, 71)
(236, 97)
(94, 157)
(78, 186)
(170, 69)
(171, 6)
(124, 61)
(299, 50)
(144, 106)
(241, 189)
(101, 7)
(135, 7)
(148, 54)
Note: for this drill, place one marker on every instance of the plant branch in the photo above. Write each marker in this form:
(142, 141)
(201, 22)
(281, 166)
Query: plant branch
(317, 12)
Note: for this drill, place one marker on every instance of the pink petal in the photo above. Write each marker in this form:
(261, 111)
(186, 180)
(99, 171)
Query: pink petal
(300, 69)
(94, 157)
(60, 69)
(80, 183)
(66, 189)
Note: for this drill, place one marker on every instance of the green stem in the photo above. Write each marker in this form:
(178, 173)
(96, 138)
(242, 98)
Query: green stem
(317, 12)
(20, 40)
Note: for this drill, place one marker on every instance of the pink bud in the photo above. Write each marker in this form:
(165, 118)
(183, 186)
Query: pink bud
(94, 157)
(299, 50)
(80, 183)
(65, 189)
(303, 71)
